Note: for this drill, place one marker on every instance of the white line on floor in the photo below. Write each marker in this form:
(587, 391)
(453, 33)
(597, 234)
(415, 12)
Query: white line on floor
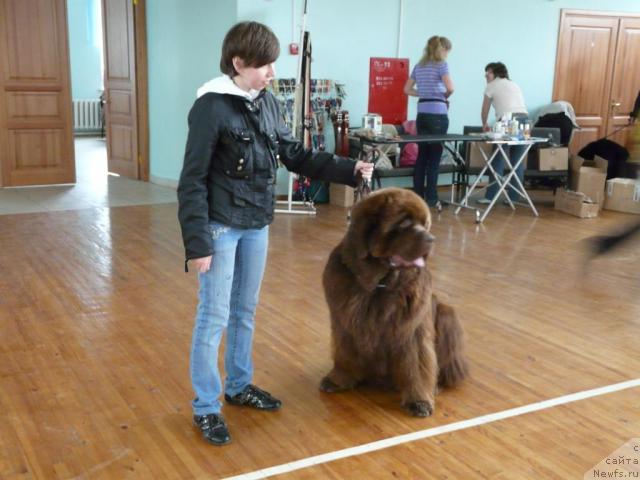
(432, 432)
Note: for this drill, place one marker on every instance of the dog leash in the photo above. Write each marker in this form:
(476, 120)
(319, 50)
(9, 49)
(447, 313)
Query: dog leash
(363, 189)
(619, 129)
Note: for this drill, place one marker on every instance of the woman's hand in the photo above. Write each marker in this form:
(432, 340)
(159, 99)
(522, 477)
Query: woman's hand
(202, 264)
(365, 169)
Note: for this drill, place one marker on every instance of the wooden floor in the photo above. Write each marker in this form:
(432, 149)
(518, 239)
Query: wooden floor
(95, 325)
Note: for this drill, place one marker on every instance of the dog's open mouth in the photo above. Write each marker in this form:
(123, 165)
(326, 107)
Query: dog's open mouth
(398, 261)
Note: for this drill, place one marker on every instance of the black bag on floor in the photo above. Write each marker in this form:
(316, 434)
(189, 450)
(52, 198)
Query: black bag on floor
(613, 153)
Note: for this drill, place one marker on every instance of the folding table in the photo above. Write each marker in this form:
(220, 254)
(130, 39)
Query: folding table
(504, 180)
(450, 142)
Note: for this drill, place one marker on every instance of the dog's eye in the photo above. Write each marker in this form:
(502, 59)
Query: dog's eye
(406, 223)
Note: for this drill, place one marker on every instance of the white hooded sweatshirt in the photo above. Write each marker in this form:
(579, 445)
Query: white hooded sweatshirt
(225, 85)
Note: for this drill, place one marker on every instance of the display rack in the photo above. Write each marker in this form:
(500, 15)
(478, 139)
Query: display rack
(325, 98)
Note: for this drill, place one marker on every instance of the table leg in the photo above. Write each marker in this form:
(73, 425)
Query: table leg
(512, 174)
(465, 200)
(499, 179)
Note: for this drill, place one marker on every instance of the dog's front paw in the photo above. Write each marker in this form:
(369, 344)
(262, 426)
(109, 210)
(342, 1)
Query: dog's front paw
(327, 385)
(420, 408)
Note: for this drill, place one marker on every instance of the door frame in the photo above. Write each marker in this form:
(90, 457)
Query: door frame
(141, 83)
(142, 87)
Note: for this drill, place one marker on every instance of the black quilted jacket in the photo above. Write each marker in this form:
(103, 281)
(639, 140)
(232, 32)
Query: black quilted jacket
(230, 163)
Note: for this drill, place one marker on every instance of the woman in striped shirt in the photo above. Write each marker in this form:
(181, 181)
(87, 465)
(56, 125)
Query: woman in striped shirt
(431, 83)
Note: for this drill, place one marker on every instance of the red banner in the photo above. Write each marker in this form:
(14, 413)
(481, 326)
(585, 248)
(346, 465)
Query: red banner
(387, 77)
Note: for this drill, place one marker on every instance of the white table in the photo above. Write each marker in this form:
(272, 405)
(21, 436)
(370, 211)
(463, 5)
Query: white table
(502, 180)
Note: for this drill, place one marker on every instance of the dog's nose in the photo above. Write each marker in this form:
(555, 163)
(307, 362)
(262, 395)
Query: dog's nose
(428, 237)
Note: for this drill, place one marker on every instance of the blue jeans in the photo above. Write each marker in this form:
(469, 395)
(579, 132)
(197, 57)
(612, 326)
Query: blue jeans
(513, 152)
(227, 298)
(429, 154)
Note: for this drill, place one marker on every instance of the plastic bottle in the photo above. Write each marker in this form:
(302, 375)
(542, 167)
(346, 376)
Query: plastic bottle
(513, 127)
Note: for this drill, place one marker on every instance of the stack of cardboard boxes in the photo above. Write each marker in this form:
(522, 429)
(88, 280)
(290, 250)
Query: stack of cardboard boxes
(622, 195)
(588, 195)
(586, 188)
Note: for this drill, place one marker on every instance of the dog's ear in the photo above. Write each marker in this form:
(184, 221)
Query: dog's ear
(368, 223)
(427, 217)
(360, 232)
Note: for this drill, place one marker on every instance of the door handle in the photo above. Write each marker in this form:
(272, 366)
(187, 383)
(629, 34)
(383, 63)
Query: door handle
(615, 104)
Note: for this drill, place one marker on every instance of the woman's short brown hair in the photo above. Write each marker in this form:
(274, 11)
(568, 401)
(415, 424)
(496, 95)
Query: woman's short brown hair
(498, 69)
(253, 42)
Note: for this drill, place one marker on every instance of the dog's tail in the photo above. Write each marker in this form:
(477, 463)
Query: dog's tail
(604, 244)
(452, 364)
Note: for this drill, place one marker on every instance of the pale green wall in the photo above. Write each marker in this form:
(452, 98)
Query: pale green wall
(184, 41)
(521, 33)
(184, 45)
(85, 48)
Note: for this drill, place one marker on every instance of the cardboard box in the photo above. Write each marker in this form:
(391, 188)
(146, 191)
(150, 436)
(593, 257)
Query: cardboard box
(588, 177)
(575, 203)
(475, 155)
(623, 195)
(553, 158)
(340, 195)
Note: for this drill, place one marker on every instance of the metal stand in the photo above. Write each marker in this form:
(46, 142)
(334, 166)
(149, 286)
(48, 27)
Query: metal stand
(308, 208)
(503, 181)
(304, 83)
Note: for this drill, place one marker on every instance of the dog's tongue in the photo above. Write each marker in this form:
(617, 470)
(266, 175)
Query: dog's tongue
(401, 262)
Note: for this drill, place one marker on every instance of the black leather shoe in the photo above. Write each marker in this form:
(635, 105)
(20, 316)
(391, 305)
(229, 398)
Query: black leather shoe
(213, 428)
(252, 396)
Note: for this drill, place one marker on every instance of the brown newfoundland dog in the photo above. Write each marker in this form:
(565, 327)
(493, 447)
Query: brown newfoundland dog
(386, 324)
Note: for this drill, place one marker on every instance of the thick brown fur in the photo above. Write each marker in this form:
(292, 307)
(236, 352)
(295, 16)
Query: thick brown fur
(386, 324)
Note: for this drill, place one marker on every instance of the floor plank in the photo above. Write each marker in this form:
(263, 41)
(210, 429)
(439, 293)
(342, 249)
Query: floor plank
(96, 317)
(564, 442)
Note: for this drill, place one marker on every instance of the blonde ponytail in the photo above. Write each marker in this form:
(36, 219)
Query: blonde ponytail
(433, 51)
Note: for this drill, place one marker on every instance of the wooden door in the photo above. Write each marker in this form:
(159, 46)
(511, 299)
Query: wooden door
(120, 87)
(584, 66)
(626, 79)
(36, 126)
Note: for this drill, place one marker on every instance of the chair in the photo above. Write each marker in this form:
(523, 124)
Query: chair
(557, 120)
(552, 133)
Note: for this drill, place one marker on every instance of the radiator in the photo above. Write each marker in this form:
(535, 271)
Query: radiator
(87, 115)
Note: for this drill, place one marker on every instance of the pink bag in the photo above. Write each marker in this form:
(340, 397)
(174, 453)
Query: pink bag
(410, 150)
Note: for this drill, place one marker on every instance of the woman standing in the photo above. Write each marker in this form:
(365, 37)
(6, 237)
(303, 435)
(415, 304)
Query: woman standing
(506, 98)
(431, 83)
(226, 199)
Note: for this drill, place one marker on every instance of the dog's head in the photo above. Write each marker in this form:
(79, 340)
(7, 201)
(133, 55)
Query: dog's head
(391, 226)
